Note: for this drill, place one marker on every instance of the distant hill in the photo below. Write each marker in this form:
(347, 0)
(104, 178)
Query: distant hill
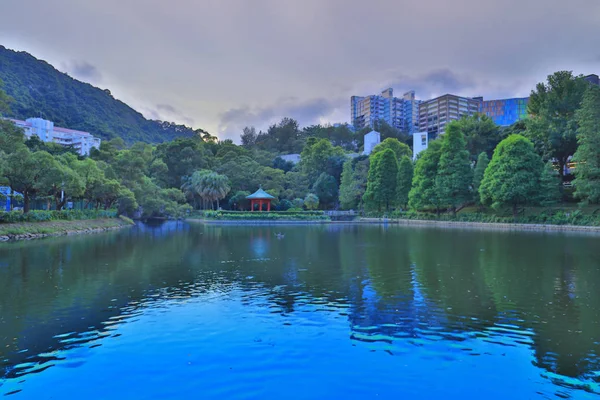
(40, 90)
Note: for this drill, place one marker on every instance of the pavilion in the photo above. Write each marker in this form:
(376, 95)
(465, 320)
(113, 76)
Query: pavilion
(260, 197)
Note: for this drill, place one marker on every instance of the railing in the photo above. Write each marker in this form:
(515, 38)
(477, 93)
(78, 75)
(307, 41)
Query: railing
(334, 213)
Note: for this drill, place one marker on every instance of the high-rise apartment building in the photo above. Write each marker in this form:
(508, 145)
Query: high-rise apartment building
(434, 114)
(505, 112)
(400, 113)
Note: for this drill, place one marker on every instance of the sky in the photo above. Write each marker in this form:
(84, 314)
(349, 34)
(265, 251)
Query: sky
(222, 65)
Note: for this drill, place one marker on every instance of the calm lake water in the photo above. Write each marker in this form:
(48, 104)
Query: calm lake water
(188, 311)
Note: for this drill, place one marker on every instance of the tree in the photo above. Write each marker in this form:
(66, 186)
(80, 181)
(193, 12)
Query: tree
(239, 200)
(348, 190)
(298, 203)
(381, 182)
(210, 186)
(388, 131)
(404, 181)
(482, 163)
(549, 192)
(108, 191)
(90, 174)
(311, 201)
(399, 148)
(127, 202)
(25, 172)
(513, 176)
(11, 137)
(423, 193)
(454, 175)
(326, 188)
(248, 137)
(587, 156)
(481, 134)
(315, 157)
(552, 125)
(5, 100)
(61, 182)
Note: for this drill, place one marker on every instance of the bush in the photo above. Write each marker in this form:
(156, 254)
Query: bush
(44, 215)
(265, 216)
(546, 217)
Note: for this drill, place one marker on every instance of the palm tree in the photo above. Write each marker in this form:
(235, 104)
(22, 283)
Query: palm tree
(210, 186)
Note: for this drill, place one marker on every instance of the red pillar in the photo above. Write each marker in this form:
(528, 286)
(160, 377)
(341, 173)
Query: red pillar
(251, 204)
(260, 204)
(268, 205)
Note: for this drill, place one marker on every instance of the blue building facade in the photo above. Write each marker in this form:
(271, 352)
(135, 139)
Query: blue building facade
(505, 112)
(400, 113)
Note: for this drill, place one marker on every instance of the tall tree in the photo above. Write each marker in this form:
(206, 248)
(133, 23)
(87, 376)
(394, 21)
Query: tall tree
(587, 156)
(550, 183)
(348, 190)
(404, 181)
(552, 125)
(326, 188)
(316, 157)
(482, 163)
(381, 183)
(423, 193)
(248, 137)
(513, 176)
(454, 176)
(481, 134)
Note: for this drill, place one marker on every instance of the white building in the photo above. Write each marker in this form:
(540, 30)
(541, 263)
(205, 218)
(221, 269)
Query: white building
(82, 142)
(420, 143)
(372, 139)
(293, 158)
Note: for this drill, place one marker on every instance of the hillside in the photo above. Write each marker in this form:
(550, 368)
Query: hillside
(40, 90)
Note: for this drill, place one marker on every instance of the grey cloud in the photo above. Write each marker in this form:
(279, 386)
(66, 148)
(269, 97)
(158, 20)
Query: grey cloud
(306, 112)
(254, 53)
(84, 70)
(166, 107)
(167, 112)
(434, 83)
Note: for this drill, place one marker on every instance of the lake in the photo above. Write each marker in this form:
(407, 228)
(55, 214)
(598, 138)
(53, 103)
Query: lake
(192, 311)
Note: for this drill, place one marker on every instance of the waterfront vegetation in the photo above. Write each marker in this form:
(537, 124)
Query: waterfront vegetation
(475, 164)
(266, 216)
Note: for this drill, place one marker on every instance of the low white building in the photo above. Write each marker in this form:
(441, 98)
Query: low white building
(372, 139)
(81, 141)
(420, 143)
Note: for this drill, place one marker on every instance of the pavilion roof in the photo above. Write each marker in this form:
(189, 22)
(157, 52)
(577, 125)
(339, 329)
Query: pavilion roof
(260, 194)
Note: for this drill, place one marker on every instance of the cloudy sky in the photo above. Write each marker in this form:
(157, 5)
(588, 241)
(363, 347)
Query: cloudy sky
(224, 64)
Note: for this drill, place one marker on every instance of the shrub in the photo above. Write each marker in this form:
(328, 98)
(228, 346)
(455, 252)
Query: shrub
(44, 215)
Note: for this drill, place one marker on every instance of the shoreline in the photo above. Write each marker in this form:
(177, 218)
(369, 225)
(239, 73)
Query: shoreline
(414, 222)
(37, 230)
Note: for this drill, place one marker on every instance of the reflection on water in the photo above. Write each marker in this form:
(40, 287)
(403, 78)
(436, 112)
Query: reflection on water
(325, 312)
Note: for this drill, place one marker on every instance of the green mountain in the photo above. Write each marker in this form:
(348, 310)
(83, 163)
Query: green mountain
(39, 90)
